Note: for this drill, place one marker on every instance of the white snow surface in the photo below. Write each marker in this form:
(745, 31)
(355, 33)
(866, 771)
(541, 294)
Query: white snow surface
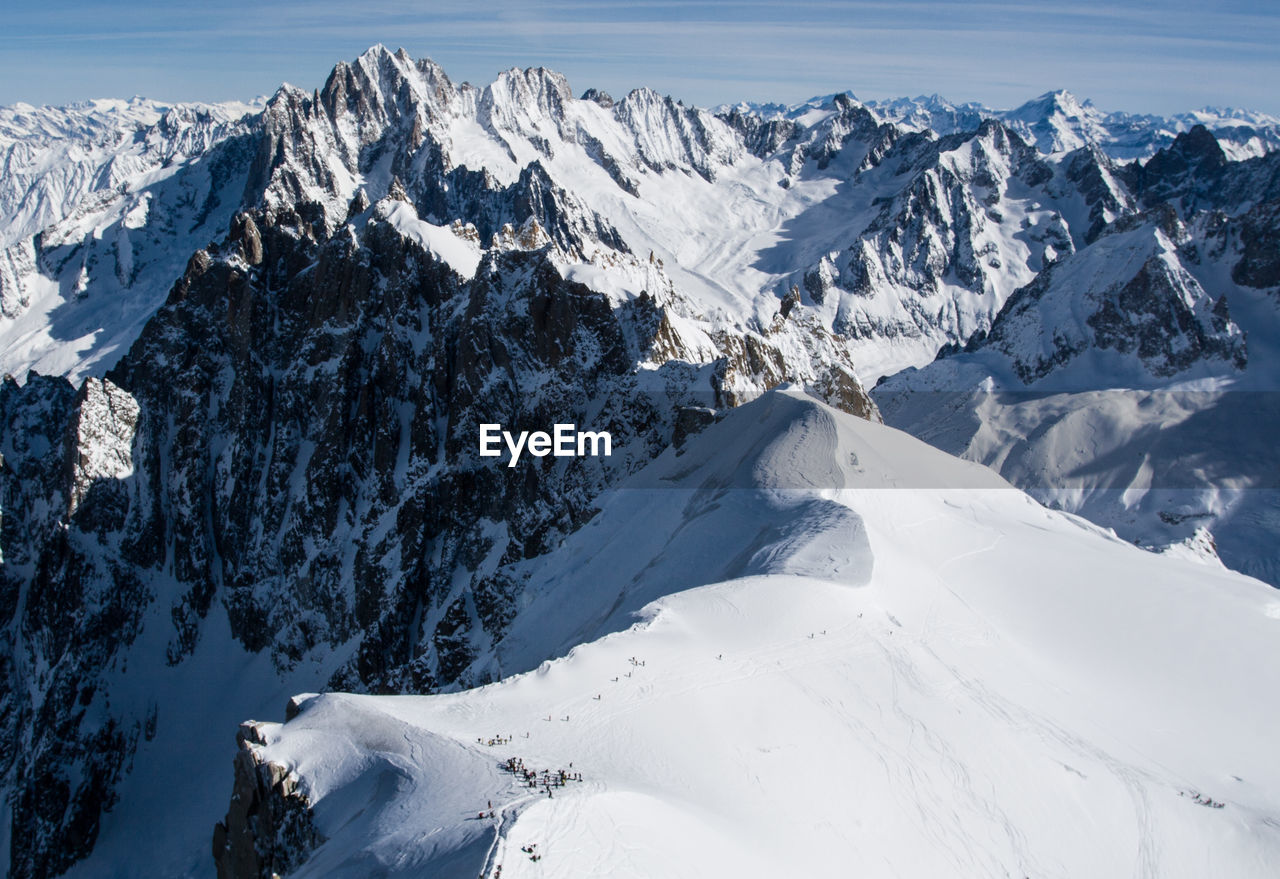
(101, 206)
(445, 244)
(853, 676)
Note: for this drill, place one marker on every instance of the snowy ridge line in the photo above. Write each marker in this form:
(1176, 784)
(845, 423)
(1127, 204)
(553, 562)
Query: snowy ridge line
(1006, 686)
(619, 174)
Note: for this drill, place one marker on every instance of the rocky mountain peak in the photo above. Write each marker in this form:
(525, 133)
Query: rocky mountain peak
(528, 102)
(1057, 121)
(547, 89)
(1194, 171)
(382, 89)
(1059, 101)
(1195, 151)
(597, 96)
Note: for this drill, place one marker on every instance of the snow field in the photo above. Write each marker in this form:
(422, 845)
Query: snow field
(1013, 692)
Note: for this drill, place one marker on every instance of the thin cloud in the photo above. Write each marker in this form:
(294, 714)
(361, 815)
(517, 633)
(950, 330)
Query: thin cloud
(1125, 54)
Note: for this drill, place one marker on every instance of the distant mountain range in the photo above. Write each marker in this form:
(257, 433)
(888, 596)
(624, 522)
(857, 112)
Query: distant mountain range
(1059, 121)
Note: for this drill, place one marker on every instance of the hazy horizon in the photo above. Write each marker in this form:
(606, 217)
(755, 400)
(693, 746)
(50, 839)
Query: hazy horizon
(1130, 55)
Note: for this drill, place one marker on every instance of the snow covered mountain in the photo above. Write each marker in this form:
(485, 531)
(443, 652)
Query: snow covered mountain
(1135, 382)
(948, 680)
(286, 458)
(263, 339)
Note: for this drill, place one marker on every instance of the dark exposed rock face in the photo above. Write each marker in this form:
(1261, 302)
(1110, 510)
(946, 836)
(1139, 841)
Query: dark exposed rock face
(1149, 317)
(1258, 234)
(1093, 174)
(597, 96)
(1193, 175)
(70, 598)
(339, 400)
(851, 122)
(1181, 169)
(762, 137)
(268, 830)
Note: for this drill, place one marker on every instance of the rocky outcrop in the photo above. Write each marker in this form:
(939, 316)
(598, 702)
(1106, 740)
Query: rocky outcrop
(1193, 174)
(71, 603)
(1130, 295)
(268, 830)
(103, 426)
(1150, 317)
(1094, 176)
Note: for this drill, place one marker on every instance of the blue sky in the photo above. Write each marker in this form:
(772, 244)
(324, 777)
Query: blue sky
(1133, 55)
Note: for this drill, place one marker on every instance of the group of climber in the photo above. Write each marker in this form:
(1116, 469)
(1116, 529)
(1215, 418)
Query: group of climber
(546, 779)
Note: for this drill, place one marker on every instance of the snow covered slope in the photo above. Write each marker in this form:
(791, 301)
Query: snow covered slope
(101, 204)
(874, 678)
(55, 157)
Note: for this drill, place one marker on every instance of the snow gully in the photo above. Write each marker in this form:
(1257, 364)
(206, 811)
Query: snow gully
(564, 441)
